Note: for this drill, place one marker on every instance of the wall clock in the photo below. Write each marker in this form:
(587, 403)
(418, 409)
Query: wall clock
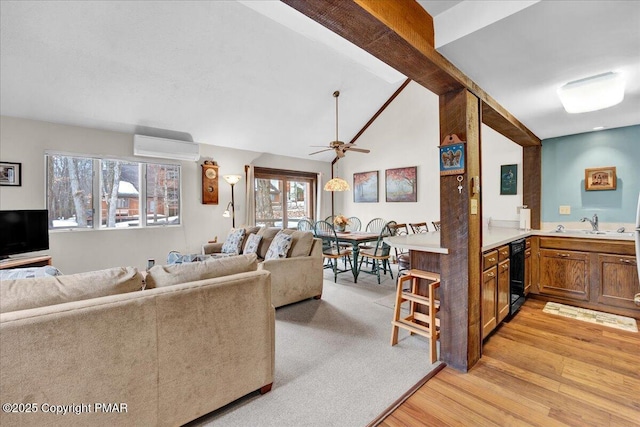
(209, 183)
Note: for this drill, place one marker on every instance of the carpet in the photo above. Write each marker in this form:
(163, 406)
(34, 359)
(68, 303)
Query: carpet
(592, 316)
(334, 363)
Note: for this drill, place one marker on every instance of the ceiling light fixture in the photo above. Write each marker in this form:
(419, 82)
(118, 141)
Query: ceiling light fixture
(592, 93)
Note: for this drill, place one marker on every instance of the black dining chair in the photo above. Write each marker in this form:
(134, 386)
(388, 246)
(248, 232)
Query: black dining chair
(378, 255)
(354, 224)
(331, 249)
(305, 225)
(419, 227)
(402, 255)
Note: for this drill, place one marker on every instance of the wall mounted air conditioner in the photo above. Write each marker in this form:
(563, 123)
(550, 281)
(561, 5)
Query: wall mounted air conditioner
(150, 146)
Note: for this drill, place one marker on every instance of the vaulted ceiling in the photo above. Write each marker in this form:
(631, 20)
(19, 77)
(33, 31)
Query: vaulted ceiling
(260, 76)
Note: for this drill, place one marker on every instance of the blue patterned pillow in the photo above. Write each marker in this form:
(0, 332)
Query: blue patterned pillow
(233, 243)
(279, 247)
(251, 247)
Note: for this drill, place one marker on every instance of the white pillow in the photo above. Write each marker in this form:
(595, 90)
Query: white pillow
(251, 247)
(279, 247)
(233, 243)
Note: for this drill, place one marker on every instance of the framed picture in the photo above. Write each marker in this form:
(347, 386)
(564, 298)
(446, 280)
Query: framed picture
(509, 179)
(365, 187)
(600, 178)
(452, 159)
(401, 185)
(11, 174)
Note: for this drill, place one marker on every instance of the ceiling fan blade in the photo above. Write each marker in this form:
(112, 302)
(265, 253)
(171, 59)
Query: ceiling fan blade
(321, 151)
(360, 150)
(320, 146)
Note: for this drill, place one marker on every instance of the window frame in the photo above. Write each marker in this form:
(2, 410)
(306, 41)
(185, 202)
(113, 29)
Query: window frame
(96, 201)
(287, 175)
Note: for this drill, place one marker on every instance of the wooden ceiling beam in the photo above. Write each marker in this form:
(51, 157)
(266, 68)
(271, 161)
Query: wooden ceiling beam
(400, 33)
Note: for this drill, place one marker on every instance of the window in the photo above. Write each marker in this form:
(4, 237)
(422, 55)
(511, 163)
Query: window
(283, 197)
(76, 199)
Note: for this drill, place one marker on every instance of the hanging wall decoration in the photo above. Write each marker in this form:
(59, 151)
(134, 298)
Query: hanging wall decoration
(603, 178)
(452, 156)
(509, 179)
(401, 185)
(365, 187)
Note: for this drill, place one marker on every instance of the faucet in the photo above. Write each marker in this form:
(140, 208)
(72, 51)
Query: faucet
(593, 221)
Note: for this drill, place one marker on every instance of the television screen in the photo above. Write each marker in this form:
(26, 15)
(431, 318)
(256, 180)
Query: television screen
(23, 231)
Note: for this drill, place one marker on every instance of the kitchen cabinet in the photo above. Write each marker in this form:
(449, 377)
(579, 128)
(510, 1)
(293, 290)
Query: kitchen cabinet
(495, 288)
(564, 274)
(527, 268)
(599, 274)
(502, 309)
(489, 291)
(617, 272)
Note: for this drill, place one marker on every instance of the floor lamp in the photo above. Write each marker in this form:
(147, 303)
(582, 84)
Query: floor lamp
(231, 180)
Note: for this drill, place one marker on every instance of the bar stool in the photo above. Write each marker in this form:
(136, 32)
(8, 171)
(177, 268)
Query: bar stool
(425, 324)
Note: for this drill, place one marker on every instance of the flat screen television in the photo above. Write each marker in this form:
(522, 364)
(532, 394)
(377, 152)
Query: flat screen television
(23, 231)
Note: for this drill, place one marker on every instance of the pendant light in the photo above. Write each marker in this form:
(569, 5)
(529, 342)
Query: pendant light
(337, 183)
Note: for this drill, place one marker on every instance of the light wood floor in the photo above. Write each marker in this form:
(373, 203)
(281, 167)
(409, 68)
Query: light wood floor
(538, 369)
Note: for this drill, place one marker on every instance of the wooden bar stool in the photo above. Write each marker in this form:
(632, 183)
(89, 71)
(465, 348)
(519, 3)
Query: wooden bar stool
(425, 324)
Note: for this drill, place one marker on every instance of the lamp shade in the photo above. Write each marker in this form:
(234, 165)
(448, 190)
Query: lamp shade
(232, 179)
(592, 93)
(336, 184)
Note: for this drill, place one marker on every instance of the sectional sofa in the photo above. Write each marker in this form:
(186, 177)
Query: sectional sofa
(97, 349)
(295, 277)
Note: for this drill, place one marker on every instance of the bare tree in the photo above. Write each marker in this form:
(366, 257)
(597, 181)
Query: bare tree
(79, 197)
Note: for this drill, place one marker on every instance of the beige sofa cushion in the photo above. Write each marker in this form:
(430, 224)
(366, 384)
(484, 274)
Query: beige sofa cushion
(168, 275)
(21, 294)
(300, 244)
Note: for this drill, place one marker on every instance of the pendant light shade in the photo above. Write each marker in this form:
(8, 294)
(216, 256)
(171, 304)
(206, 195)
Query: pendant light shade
(337, 184)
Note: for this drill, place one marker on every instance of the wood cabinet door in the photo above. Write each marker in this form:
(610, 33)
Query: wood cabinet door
(618, 280)
(489, 295)
(503, 291)
(527, 271)
(564, 274)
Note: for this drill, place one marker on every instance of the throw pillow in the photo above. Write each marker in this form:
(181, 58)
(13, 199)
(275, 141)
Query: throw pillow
(279, 247)
(251, 247)
(176, 257)
(233, 243)
(300, 244)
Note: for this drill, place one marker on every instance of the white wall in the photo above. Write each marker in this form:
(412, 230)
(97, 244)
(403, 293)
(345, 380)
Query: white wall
(497, 150)
(25, 141)
(405, 134)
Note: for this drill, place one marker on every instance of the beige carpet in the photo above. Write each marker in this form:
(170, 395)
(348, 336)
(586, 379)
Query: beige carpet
(592, 316)
(334, 363)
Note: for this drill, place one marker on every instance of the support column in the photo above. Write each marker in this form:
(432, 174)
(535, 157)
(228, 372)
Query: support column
(532, 182)
(460, 341)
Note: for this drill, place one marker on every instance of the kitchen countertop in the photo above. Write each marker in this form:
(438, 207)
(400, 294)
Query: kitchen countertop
(425, 242)
(494, 237)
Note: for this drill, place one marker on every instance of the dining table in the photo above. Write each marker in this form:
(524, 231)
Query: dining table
(356, 238)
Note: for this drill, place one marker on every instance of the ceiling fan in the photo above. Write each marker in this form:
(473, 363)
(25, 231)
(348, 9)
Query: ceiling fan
(338, 146)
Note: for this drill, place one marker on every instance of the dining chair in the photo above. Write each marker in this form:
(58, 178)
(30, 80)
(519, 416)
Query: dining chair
(436, 225)
(378, 255)
(329, 219)
(376, 225)
(354, 223)
(419, 227)
(331, 249)
(305, 225)
(402, 255)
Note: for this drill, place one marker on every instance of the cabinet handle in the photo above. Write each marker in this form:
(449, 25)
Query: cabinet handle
(505, 266)
(564, 255)
(492, 259)
(491, 274)
(627, 261)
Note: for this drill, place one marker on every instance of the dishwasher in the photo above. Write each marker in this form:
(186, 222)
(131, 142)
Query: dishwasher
(516, 279)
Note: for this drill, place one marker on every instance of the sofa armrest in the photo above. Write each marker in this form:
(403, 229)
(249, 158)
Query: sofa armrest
(212, 248)
(294, 279)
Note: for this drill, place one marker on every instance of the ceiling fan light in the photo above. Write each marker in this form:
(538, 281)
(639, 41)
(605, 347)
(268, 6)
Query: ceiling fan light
(336, 184)
(592, 93)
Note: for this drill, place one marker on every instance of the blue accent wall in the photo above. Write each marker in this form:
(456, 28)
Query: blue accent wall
(564, 160)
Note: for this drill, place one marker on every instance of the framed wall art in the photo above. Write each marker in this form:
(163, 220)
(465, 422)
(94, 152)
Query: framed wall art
(401, 184)
(452, 159)
(365, 187)
(509, 179)
(11, 174)
(603, 178)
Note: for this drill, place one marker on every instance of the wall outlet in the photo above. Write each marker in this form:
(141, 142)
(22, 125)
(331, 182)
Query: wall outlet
(565, 210)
